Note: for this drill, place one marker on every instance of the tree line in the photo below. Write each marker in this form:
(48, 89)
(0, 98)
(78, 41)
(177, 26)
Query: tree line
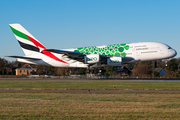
(137, 69)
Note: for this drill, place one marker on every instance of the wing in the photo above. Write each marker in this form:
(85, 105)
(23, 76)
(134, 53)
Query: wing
(80, 56)
(68, 54)
(65, 52)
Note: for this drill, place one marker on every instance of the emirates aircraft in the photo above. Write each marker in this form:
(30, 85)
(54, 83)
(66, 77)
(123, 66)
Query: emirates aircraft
(87, 57)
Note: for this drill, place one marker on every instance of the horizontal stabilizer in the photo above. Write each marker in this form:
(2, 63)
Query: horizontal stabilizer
(27, 58)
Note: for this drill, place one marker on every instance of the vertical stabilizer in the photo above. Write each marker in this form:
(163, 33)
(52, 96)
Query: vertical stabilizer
(28, 43)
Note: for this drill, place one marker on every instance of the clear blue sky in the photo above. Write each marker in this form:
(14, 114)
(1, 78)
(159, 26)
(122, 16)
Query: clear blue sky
(64, 24)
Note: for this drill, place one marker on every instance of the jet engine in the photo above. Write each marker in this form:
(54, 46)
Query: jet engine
(92, 58)
(114, 61)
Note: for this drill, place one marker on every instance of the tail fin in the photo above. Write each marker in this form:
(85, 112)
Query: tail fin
(29, 43)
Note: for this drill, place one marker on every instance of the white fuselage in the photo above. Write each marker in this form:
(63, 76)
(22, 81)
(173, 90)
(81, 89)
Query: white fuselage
(145, 51)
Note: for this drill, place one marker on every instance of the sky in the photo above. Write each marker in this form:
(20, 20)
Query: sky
(61, 24)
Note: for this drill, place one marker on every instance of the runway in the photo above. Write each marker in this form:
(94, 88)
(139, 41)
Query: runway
(87, 91)
(118, 79)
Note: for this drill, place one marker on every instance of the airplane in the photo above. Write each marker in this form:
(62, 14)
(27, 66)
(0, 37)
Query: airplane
(88, 57)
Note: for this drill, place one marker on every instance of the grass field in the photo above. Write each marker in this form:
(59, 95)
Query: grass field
(90, 105)
(90, 84)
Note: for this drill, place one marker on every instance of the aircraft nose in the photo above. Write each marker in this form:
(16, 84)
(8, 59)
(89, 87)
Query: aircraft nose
(174, 53)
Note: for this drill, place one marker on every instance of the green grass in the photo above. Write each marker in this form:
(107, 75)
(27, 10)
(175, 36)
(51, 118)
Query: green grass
(90, 84)
(89, 106)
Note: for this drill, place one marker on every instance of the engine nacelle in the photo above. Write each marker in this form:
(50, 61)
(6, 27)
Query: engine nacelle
(92, 58)
(114, 61)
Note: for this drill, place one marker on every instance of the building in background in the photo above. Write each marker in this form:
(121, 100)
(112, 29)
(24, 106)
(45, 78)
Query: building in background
(26, 70)
(161, 71)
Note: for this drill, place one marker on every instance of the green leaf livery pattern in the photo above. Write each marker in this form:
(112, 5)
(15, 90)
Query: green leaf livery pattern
(115, 50)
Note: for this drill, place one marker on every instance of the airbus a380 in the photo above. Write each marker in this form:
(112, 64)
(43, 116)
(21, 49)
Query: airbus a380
(85, 57)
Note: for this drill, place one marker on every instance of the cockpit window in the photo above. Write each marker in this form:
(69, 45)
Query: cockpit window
(169, 48)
